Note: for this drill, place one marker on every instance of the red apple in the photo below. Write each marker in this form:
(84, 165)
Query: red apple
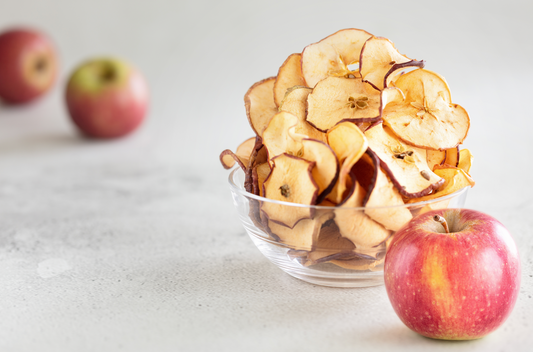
(107, 98)
(28, 65)
(459, 285)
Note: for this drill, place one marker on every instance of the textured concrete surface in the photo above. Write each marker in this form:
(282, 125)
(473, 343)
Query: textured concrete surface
(134, 245)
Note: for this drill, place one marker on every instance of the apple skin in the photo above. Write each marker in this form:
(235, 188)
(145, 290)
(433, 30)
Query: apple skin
(456, 286)
(28, 65)
(106, 98)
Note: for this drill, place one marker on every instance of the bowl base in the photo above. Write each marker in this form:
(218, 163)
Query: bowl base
(325, 274)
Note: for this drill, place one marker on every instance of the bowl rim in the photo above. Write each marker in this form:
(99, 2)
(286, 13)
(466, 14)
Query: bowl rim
(241, 191)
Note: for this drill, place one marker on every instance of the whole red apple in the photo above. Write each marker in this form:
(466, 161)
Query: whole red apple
(459, 285)
(107, 98)
(28, 65)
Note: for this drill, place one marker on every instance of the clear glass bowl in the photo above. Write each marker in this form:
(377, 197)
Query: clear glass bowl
(314, 250)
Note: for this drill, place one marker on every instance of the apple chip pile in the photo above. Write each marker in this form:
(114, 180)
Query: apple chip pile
(349, 123)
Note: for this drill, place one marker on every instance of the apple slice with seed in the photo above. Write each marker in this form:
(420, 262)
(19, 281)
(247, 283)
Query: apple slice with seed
(280, 137)
(290, 180)
(260, 105)
(289, 75)
(304, 235)
(355, 225)
(465, 160)
(455, 180)
(349, 144)
(332, 55)
(326, 171)
(295, 102)
(380, 60)
(427, 118)
(382, 199)
(405, 165)
(336, 99)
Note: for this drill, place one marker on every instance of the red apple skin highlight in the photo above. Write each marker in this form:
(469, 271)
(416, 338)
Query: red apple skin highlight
(112, 110)
(28, 65)
(456, 286)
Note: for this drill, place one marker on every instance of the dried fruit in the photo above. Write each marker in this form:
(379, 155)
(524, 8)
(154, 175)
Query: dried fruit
(289, 181)
(260, 105)
(289, 75)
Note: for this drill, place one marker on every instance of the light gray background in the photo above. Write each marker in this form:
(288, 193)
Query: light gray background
(134, 245)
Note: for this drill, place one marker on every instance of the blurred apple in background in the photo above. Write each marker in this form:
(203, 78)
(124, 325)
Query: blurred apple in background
(28, 65)
(107, 98)
(455, 285)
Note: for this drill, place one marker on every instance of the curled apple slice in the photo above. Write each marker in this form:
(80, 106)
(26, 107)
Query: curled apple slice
(383, 199)
(355, 225)
(465, 160)
(280, 137)
(304, 235)
(332, 55)
(326, 171)
(259, 175)
(290, 180)
(380, 60)
(295, 102)
(336, 99)
(242, 154)
(427, 118)
(349, 144)
(405, 165)
(435, 157)
(289, 75)
(452, 157)
(260, 105)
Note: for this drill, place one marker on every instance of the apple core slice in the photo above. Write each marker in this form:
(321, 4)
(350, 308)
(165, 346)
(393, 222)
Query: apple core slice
(405, 165)
(289, 181)
(427, 118)
(336, 99)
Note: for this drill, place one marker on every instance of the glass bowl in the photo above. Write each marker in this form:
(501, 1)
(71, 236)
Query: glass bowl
(314, 250)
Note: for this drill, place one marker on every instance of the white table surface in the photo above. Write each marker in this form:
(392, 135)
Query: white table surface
(134, 244)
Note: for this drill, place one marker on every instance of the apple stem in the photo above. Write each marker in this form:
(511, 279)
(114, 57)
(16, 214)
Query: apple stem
(443, 222)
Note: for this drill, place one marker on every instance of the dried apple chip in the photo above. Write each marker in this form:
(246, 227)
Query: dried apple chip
(304, 235)
(383, 203)
(279, 136)
(452, 157)
(332, 55)
(295, 102)
(259, 175)
(405, 165)
(330, 245)
(355, 225)
(289, 181)
(455, 180)
(435, 157)
(326, 171)
(289, 75)
(427, 118)
(260, 105)
(465, 160)
(380, 60)
(349, 144)
(336, 99)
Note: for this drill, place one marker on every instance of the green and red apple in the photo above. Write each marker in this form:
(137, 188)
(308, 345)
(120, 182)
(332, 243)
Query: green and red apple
(453, 274)
(28, 65)
(107, 98)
